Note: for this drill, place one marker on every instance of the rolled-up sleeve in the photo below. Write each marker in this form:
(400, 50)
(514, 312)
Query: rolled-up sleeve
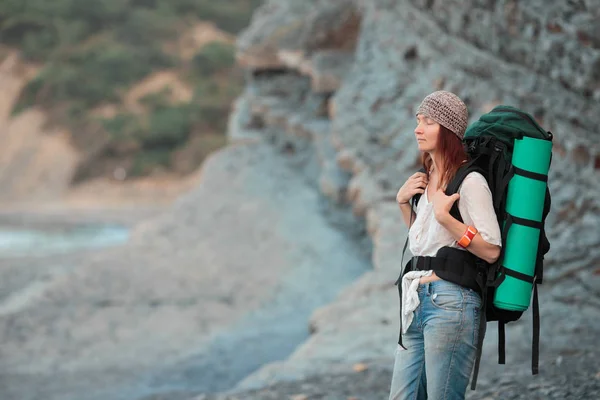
(477, 209)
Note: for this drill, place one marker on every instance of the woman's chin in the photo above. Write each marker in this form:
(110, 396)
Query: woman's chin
(422, 147)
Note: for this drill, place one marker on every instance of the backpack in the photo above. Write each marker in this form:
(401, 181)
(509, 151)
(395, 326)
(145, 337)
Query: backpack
(489, 143)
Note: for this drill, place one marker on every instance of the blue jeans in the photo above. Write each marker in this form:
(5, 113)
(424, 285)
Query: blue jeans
(440, 344)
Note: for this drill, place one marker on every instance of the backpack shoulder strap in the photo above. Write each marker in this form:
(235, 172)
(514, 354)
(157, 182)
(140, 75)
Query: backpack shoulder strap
(413, 206)
(417, 196)
(455, 183)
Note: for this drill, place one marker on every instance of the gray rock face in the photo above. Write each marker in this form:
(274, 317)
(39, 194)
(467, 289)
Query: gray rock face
(303, 26)
(542, 57)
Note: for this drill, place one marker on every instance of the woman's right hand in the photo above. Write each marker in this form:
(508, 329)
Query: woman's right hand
(413, 185)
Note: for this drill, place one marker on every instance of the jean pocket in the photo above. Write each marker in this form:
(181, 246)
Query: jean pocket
(448, 300)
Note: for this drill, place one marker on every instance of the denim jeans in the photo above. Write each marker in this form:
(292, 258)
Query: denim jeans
(440, 344)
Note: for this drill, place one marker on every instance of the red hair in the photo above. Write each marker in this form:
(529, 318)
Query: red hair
(452, 153)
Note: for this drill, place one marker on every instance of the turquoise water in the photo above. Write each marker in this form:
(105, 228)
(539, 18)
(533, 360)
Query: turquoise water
(17, 242)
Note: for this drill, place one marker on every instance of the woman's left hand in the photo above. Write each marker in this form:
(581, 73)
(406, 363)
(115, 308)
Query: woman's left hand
(442, 205)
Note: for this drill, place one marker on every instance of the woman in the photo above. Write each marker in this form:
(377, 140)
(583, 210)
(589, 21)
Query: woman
(440, 319)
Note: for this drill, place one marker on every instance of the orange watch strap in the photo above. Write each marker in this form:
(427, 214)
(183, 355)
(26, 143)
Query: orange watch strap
(468, 236)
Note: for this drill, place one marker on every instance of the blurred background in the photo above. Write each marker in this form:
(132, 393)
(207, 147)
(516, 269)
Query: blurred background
(197, 198)
(114, 91)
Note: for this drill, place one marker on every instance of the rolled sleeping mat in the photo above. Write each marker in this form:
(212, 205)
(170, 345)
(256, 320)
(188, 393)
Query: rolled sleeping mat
(524, 204)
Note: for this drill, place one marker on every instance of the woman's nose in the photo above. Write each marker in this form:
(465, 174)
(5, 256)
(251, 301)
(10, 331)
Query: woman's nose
(419, 128)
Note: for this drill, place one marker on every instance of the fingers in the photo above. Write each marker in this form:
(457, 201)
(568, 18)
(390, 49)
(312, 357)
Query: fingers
(416, 184)
(415, 189)
(420, 178)
(452, 198)
(420, 175)
(421, 182)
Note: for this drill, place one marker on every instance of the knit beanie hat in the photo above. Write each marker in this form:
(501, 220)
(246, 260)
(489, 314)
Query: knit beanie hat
(447, 109)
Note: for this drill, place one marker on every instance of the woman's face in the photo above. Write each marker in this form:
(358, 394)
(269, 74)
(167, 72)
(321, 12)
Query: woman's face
(427, 132)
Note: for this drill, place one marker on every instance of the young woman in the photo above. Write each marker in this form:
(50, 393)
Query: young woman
(440, 318)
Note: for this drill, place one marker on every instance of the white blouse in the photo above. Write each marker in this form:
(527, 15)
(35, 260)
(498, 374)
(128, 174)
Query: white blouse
(427, 236)
(475, 204)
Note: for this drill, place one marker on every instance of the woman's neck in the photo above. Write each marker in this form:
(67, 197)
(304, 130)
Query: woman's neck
(436, 163)
(435, 171)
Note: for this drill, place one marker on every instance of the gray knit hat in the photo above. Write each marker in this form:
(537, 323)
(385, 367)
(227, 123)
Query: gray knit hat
(447, 109)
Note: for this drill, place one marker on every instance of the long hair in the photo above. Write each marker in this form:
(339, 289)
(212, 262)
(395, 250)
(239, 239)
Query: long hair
(452, 153)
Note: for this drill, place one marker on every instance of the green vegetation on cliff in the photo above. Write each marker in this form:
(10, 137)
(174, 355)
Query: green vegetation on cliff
(93, 52)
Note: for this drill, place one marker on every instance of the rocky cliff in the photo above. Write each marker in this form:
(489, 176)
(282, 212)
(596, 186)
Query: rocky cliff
(346, 76)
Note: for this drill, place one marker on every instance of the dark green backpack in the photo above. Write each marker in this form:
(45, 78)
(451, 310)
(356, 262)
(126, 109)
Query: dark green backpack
(489, 143)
